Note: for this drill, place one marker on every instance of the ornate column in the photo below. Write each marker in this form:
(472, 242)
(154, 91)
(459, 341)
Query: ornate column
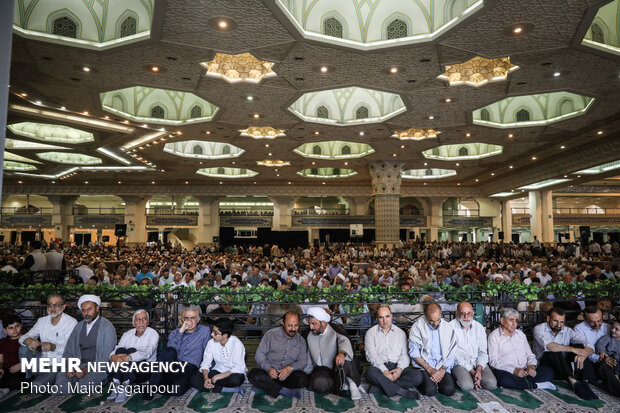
(535, 216)
(135, 218)
(547, 216)
(62, 215)
(208, 220)
(386, 180)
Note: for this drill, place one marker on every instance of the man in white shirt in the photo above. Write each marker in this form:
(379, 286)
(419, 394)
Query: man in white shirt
(84, 271)
(138, 345)
(223, 361)
(592, 328)
(386, 351)
(48, 337)
(471, 370)
(55, 259)
(558, 347)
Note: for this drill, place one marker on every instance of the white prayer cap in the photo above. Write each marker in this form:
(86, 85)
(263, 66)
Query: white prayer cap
(89, 297)
(319, 313)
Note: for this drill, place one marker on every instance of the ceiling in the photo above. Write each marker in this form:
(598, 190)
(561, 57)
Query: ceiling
(240, 85)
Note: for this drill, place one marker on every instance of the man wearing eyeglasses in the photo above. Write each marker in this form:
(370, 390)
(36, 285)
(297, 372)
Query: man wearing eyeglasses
(471, 370)
(187, 343)
(48, 337)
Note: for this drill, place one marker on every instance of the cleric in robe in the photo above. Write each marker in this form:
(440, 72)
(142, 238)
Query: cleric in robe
(332, 356)
(92, 340)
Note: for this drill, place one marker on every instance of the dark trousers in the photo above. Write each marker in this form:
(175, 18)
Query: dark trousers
(610, 378)
(12, 381)
(260, 378)
(560, 362)
(408, 378)
(326, 380)
(510, 381)
(234, 380)
(131, 377)
(181, 379)
(429, 388)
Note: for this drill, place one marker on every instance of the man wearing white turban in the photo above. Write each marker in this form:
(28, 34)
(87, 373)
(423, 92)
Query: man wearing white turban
(332, 356)
(92, 340)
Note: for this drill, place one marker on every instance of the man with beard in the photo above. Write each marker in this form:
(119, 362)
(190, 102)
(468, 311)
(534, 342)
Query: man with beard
(432, 347)
(138, 345)
(48, 337)
(471, 370)
(558, 346)
(281, 356)
(92, 340)
(332, 355)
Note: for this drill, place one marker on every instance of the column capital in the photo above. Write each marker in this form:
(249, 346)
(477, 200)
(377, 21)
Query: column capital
(386, 176)
(134, 199)
(62, 199)
(204, 199)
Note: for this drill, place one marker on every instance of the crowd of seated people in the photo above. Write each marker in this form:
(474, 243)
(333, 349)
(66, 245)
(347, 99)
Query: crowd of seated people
(437, 355)
(245, 213)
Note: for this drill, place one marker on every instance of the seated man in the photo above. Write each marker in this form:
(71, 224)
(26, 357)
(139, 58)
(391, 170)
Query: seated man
(281, 356)
(432, 347)
(608, 349)
(186, 343)
(592, 328)
(558, 346)
(48, 337)
(223, 361)
(332, 355)
(386, 351)
(138, 345)
(11, 376)
(92, 340)
(511, 358)
(471, 370)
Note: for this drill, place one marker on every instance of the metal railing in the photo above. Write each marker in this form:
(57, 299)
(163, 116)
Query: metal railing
(461, 212)
(25, 210)
(99, 211)
(574, 211)
(319, 211)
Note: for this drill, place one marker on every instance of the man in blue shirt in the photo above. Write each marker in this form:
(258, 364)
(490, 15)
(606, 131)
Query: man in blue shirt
(144, 272)
(186, 343)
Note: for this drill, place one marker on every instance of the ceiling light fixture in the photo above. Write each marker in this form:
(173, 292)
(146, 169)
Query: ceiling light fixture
(448, 100)
(250, 98)
(85, 113)
(222, 24)
(599, 132)
(431, 117)
(23, 94)
(556, 74)
(394, 70)
(86, 69)
(323, 69)
(316, 132)
(416, 134)
(362, 133)
(467, 134)
(562, 147)
(534, 158)
(154, 69)
(510, 167)
(256, 116)
(517, 30)
(510, 135)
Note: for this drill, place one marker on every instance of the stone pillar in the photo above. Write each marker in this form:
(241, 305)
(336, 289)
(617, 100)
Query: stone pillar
(535, 216)
(547, 216)
(135, 218)
(435, 218)
(282, 209)
(6, 41)
(386, 180)
(507, 221)
(99, 235)
(62, 215)
(208, 220)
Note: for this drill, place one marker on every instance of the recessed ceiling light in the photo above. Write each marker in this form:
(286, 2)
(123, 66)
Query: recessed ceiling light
(277, 174)
(459, 184)
(208, 132)
(119, 182)
(476, 179)
(125, 121)
(20, 182)
(275, 170)
(313, 163)
(63, 108)
(266, 145)
(53, 182)
(249, 97)
(517, 30)
(448, 100)
(556, 74)
(323, 183)
(492, 173)
(393, 70)
(323, 69)
(316, 132)
(234, 163)
(270, 154)
(85, 182)
(565, 176)
(256, 116)
(289, 182)
(510, 135)
(458, 164)
(599, 132)
(85, 112)
(86, 69)
(222, 24)
(38, 102)
(425, 163)
(510, 167)
(362, 133)
(578, 176)
(155, 68)
(394, 154)
(106, 117)
(534, 158)
(144, 125)
(467, 134)
(346, 163)
(402, 146)
(562, 147)
(23, 94)
(431, 117)
(221, 182)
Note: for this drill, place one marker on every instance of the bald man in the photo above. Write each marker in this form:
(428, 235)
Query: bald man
(433, 347)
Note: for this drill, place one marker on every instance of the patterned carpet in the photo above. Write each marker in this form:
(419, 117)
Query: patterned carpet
(497, 401)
